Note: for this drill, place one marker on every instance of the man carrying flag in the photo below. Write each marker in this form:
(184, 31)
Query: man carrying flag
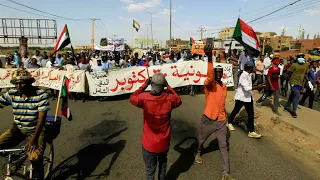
(246, 36)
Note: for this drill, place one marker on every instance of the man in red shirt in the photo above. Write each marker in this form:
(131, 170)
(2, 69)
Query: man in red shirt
(157, 106)
(272, 86)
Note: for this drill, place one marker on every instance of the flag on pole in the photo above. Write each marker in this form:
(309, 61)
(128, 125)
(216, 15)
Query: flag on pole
(246, 36)
(136, 25)
(63, 41)
(191, 41)
(65, 110)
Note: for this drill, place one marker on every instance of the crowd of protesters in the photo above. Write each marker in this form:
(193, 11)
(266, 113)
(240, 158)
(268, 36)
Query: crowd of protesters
(269, 69)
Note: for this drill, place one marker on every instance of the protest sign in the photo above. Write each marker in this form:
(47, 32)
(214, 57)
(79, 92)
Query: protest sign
(130, 79)
(46, 77)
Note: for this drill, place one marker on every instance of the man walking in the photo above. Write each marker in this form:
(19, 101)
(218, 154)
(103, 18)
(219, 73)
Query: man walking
(272, 86)
(157, 106)
(297, 75)
(311, 85)
(214, 118)
(243, 97)
(30, 106)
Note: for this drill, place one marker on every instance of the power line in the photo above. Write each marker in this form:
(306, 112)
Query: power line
(26, 11)
(292, 11)
(275, 11)
(44, 11)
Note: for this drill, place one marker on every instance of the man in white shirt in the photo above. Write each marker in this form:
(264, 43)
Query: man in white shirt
(267, 64)
(244, 58)
(243, 97)
(38, 57)
(26, 60)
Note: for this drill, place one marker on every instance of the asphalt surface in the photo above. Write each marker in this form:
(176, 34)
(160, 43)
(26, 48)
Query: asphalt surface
(103, 142)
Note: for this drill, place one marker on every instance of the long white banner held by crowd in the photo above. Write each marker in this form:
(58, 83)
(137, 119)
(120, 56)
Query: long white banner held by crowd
(130, 79)
(50, 78)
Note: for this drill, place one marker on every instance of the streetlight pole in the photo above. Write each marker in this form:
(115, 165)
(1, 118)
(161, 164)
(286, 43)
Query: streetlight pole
(151, 30)
(170, 19)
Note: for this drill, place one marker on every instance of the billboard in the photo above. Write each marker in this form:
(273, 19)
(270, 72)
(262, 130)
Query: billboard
(145, 41)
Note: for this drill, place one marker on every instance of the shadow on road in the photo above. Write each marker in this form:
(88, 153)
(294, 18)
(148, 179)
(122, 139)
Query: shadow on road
(185, 160)
(84, 163)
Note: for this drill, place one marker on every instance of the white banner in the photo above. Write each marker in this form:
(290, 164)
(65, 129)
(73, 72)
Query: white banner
(130, 79)
(113, 45)
(50, 78)
(122, 81)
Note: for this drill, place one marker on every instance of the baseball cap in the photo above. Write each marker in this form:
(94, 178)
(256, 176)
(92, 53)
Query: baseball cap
(158, 82)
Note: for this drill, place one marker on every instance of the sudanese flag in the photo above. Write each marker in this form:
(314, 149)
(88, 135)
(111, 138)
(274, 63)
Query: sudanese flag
(63, 41)
(65, 110)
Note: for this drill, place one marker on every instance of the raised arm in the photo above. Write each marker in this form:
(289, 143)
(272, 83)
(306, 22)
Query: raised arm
(136, 98)
(176, 102)
(210, 73)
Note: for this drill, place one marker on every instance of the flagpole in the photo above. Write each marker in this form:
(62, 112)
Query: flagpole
(132, 37)
(58, 102)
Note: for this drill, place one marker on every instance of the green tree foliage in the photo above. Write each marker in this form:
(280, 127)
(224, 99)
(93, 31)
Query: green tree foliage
(268, 49)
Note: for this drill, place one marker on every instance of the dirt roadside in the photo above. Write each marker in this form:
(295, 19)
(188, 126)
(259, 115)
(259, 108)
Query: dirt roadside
(298, 144)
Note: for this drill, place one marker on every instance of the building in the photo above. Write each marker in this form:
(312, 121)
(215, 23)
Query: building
(265, 37)
(226, 33)
(304, 45)
(234, 45)
(83, 47)
(177, 44)
(280, 43)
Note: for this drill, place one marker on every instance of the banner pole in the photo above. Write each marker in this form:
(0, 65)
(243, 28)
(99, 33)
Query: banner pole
(132, 37)
(58, 102)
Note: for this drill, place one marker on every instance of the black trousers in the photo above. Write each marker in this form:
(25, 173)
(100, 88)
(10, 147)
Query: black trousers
(249, 108)
(307, 94)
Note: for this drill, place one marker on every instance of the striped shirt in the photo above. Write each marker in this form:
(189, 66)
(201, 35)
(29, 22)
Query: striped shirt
(26, 111)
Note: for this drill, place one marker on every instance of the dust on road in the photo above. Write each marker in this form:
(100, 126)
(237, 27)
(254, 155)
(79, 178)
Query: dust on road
(103, 142)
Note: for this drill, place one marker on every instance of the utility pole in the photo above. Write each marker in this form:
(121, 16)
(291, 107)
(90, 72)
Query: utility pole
(147, 35)
(170, 19)
(201, 30)
(92, 38)
(151, 30)
(114, 36)
(264, 40)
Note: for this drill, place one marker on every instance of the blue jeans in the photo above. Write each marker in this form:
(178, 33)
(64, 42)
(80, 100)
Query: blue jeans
(293, 99)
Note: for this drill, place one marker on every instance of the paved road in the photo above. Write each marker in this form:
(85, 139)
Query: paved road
(103, 142)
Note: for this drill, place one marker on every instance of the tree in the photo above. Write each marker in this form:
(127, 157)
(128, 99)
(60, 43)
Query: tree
(126, 46)
(267, 49)
(104, 42)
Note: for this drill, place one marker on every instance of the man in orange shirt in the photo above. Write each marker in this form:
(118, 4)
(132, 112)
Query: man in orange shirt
(214, 117)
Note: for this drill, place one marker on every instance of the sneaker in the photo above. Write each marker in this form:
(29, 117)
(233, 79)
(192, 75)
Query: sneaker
(254, 135)
(198, 158)
(226, 177)
(277, 113)
(294, 114)
(230, 127)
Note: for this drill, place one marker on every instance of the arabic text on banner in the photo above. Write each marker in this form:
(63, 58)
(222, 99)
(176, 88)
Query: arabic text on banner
(130, 79)
(50, 78)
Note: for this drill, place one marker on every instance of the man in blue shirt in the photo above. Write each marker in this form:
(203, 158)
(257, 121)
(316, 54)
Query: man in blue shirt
(99, 67)
(310, 85)
(59, 60)
(105, 63)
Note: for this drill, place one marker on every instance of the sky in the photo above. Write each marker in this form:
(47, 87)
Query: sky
(187, 16)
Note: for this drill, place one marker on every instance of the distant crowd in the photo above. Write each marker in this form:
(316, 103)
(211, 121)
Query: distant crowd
(97, 61)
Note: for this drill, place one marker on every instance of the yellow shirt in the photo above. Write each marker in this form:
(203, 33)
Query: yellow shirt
(259, 67)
